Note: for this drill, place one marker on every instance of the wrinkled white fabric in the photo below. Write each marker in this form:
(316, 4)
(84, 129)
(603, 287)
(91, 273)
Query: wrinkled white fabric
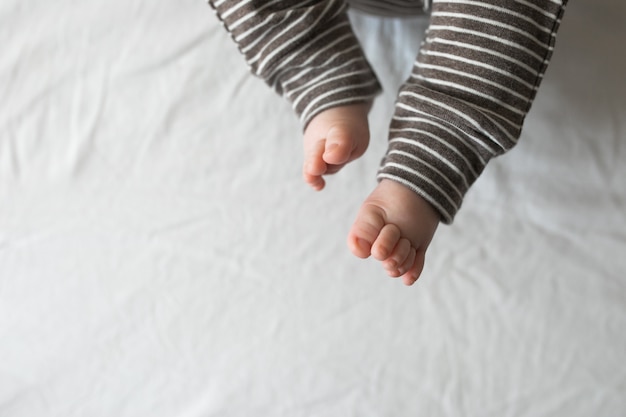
(160, 255)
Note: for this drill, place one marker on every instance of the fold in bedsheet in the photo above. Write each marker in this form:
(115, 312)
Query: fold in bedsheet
(160, 256)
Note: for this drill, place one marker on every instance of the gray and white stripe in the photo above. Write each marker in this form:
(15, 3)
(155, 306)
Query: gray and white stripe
(305, 50)
(471, 87)
(473, 82)
(392, 8)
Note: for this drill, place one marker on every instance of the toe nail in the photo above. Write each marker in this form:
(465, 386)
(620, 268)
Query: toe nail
(331, 148)
(363, 244)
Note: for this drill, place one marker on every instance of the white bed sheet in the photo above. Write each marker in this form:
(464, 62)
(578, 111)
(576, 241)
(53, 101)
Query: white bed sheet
(160, 256)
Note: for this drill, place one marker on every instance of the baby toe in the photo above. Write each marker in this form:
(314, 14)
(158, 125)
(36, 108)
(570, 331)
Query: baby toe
(313, 162)
(339, 146)
(365, 230)
(395, 263)
(415, 270)
(386, 242)
(315, 181)
(408, 262)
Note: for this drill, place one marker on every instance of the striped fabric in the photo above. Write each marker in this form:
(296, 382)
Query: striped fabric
(475, 77)
(392, 8)
(471, 87)
(305, 50)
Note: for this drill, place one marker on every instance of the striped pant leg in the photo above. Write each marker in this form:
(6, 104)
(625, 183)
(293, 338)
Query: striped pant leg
(472, 84)
(392, 8)
(304, 49)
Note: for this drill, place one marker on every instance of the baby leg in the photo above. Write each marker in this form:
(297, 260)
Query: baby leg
(310, 56)
(464, 103)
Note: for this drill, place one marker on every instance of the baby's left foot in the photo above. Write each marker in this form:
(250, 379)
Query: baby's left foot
(332, 139)
(395, 225)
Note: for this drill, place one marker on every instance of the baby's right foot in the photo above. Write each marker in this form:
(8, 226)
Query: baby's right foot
(332, 139)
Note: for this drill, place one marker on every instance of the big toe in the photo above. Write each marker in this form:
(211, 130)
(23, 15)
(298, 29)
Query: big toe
(341, 144)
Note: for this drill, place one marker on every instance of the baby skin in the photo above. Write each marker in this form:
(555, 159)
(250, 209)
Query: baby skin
(394, 225)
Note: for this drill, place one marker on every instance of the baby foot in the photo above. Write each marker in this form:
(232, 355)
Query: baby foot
(394, 225)
(332, 139)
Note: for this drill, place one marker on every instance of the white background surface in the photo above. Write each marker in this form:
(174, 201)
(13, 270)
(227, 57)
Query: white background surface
(160, 255)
